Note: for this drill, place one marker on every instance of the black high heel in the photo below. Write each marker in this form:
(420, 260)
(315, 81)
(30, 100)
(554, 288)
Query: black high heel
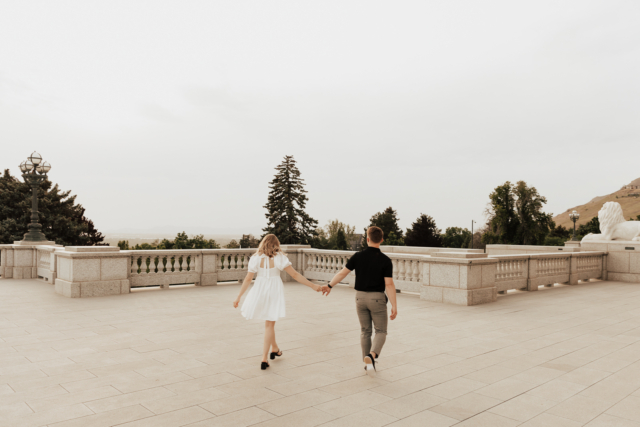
(264, 366)
(273, 355)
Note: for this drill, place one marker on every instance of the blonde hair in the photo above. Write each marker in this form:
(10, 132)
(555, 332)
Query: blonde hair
(269, 246)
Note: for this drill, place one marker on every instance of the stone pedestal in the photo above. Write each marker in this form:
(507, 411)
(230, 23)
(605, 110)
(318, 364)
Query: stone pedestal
(623, 259)
(89, 271)
(462, 279)
(27, 243)
(19, 261)
(573, 244)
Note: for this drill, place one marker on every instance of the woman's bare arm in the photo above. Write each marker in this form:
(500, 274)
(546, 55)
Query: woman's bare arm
(243, 289)
(301, 279)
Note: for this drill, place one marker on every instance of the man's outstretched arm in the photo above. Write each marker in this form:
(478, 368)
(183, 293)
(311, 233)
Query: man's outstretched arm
(336, 279)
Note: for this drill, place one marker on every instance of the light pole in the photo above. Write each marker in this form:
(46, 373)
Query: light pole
(472, 222)
(34, 171)
(574, 216)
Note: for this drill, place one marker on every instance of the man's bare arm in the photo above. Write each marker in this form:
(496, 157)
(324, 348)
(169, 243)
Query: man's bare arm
(336, 279)
(391, 293)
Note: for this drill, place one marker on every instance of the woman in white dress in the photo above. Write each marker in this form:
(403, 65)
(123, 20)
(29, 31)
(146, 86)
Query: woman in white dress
(265, 301)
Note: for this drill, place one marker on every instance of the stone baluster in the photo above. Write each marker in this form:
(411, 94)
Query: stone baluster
(420, 275)
(183, 264)
(400, 269)
(134, 264)
(409, 270)
(394, 263)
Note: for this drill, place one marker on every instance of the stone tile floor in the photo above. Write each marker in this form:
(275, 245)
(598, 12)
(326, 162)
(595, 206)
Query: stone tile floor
(564, 356)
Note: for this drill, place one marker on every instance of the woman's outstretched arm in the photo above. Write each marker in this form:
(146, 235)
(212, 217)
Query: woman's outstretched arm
(243, 289)
(301, 279)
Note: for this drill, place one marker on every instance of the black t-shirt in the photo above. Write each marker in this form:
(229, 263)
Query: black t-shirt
(371, 267)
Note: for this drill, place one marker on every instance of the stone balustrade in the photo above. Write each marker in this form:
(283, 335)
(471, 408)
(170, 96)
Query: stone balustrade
(457, 277)
(529, 272)
(529, 249)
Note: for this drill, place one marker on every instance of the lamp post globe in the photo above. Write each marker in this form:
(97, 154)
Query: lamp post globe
(35, 158)
(574, 216)
(34, 172)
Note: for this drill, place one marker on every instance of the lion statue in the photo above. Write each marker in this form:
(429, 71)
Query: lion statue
(613, 225)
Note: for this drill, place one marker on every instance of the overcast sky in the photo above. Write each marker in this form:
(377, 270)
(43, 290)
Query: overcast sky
(175, 113)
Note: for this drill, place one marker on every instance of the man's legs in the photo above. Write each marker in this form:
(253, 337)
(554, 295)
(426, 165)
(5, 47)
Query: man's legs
(378, 309)
(364, 315)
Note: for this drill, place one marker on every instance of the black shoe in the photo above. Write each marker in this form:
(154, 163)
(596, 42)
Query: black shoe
(273, 355)
(264, 366)
(370, 365)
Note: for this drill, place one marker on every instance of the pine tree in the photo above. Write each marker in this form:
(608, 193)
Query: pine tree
(387, 220)
(286, 217)
(62, 220)
(341, 240)
(424, 232)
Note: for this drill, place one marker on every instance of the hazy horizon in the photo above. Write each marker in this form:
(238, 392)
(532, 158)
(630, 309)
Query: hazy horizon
(175, 114)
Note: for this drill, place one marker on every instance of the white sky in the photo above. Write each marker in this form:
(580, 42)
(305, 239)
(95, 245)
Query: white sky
(176, 112)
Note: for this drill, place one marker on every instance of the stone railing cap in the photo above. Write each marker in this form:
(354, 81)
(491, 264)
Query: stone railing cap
(446, 254)
(92, 248)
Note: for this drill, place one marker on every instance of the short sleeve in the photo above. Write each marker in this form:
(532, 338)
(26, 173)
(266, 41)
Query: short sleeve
(351, 264)
(281, 262)
(254, 263)
(388, 269)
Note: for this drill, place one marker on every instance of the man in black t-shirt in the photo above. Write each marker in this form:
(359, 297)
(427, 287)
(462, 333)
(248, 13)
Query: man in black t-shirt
(374, 275)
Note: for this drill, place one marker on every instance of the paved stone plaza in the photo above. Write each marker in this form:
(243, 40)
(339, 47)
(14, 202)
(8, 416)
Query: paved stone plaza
(563, 356)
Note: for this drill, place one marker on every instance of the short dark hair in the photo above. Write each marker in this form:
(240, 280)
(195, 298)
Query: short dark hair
(375, 234)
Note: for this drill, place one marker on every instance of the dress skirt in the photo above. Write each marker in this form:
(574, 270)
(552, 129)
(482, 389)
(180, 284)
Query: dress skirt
(265, 301)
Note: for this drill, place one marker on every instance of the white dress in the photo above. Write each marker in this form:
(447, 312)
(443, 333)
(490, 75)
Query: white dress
(265, 301)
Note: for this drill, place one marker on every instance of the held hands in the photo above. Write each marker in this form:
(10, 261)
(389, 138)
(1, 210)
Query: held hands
(326, 290)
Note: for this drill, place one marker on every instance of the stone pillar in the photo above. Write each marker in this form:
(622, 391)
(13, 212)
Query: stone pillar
(294, 253)
(3, 261)
(460, 278)
(209, 268)
(573, 271)
(24, 262)
(88, 271)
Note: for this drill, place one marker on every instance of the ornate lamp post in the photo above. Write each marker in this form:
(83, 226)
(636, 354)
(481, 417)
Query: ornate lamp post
(574, 216)
(34, 171)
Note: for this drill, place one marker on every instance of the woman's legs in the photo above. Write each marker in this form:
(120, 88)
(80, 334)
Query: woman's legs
(269, 339)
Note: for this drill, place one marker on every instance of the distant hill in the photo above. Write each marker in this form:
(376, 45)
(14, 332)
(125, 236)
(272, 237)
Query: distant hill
(629, 199)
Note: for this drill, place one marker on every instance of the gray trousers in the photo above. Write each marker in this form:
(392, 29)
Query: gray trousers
(372, 307)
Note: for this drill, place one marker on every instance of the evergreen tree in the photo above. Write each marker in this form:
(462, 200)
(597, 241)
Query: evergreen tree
(341, 240)
(62, 220)
(423, 232)
(387, 220)
(286, 217)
